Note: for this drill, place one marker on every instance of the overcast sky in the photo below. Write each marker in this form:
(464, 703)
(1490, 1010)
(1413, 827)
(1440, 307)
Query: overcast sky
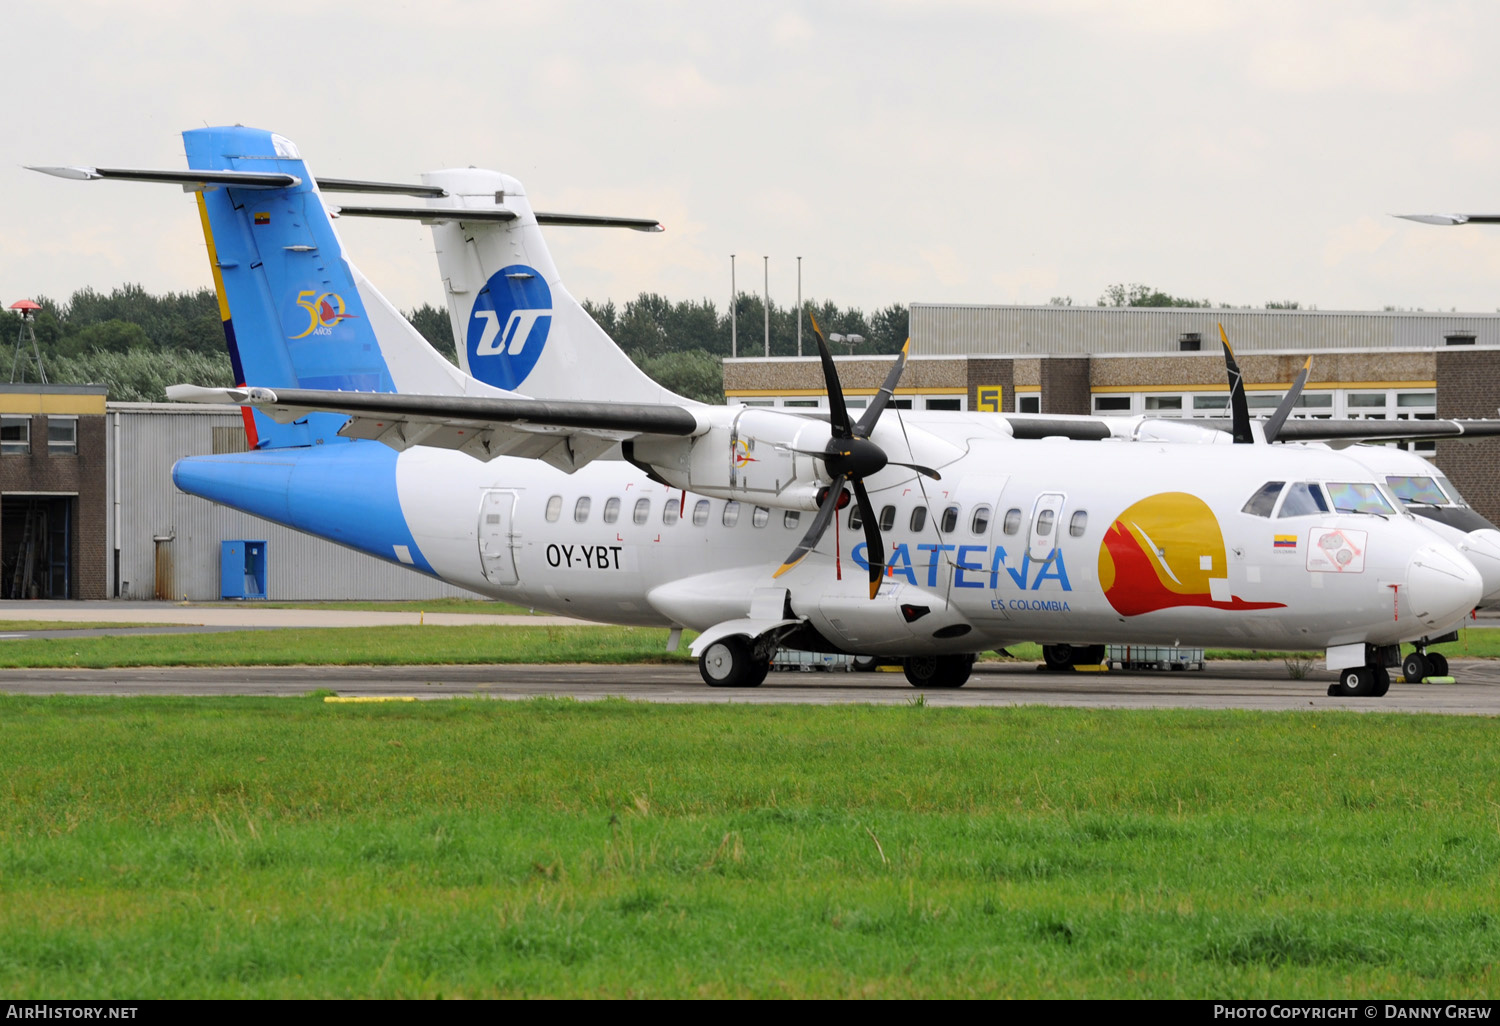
(922, 151)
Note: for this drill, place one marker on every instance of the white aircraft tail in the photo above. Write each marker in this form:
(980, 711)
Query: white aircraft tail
(516, 326)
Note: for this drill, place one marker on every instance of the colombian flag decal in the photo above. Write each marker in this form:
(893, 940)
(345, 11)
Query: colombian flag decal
(1285, 541)
(263, 218)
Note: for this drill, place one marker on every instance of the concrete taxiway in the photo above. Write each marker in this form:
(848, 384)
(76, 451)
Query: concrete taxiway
(1257, 686)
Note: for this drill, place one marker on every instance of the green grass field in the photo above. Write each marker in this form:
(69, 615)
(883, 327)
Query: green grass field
(289, 848)
(349, 646)
(484, 607)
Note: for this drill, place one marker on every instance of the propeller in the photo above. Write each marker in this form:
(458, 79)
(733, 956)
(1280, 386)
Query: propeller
(1284, 409)
(1239, 407)
(849, 458)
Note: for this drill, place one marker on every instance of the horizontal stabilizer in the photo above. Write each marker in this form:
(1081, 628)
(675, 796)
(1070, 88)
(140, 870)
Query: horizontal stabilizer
(428, 215)
(498, 215)
(383, 188)
(1453, 219)
(189, 179)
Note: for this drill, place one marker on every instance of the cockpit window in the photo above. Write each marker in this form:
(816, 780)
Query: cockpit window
(1357, 497)
(1447, 486)
(1264, 499)
(1303, 500)
(1422, 491)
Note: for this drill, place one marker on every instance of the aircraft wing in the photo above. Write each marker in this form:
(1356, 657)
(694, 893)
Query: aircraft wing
(1385, 430)
(1335, 432)
(566, 435)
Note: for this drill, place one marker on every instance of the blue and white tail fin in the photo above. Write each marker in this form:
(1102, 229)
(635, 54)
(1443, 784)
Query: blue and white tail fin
(296, 312)
(517, 327)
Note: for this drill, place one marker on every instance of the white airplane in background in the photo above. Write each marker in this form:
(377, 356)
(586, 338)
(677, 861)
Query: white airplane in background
(565, 479)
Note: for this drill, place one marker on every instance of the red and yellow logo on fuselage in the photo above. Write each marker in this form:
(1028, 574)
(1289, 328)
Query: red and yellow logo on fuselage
(1167, 551)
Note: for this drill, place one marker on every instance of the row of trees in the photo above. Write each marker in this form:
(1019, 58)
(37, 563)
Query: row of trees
(137, 343)
(1136, 294)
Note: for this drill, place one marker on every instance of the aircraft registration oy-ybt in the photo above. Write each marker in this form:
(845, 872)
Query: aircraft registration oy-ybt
(549, 471)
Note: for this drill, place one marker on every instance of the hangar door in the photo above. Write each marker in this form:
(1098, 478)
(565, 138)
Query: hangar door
(36, 546)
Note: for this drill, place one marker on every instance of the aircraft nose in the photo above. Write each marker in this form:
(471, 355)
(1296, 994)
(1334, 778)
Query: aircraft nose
(1441, 585)
(1482, 548)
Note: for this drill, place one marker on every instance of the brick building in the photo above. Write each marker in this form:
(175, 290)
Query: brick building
(53, 506)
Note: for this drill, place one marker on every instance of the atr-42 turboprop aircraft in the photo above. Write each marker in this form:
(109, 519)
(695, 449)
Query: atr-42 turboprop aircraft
(565, 479)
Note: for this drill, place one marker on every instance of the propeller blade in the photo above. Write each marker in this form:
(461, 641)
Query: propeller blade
(1239, 409)
(1284, 410)
(838, 414)
(875, 545)
(877, 405)
(826, 513)
(924, 471)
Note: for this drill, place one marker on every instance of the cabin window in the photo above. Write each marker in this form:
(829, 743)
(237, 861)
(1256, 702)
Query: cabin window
(918, 518)
(700, 512)
(856, 519)
(980, 521)
(1357, 497)
(1447, 486)
(642, 511)
(888, 518)
(790, 518)
(1079, 523)
(731, 513)
(760, 517)
(581, 509)
(1422, 491)
(1303, 500)
(1264, 500)
(1012, 523)
(670, 511)
(611, 509)
(1044, 522)
(950, 520)
(554, 509)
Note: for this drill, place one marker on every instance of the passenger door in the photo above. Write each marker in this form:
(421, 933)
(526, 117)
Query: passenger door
(497, 537)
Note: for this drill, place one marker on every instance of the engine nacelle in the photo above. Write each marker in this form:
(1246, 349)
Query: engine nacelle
(748, 453)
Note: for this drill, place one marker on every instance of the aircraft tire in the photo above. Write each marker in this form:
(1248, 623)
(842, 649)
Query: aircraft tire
(1382, 682)
(1088, 655)
(1354, 682)
(1439, 664)
(730, 663)
(865, 664)
(1416, 666)
(1058, 657)
(937, 671)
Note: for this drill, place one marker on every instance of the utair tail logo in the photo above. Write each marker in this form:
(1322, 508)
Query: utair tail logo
(509, 326)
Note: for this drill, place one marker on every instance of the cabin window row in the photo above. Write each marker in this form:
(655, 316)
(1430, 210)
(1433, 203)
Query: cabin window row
(947, 521)
(640, 513)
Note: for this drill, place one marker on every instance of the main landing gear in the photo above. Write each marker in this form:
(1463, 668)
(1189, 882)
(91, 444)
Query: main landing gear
(734, 662)
(946, 671)
(1065, 657)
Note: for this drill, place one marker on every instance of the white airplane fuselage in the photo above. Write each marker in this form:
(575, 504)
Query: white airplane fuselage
(1147, 543)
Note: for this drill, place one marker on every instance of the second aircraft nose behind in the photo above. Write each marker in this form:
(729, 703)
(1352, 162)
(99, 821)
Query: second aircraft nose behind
(1441, 585)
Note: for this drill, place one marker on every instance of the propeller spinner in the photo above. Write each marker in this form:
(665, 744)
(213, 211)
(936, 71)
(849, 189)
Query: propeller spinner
(850, 457)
